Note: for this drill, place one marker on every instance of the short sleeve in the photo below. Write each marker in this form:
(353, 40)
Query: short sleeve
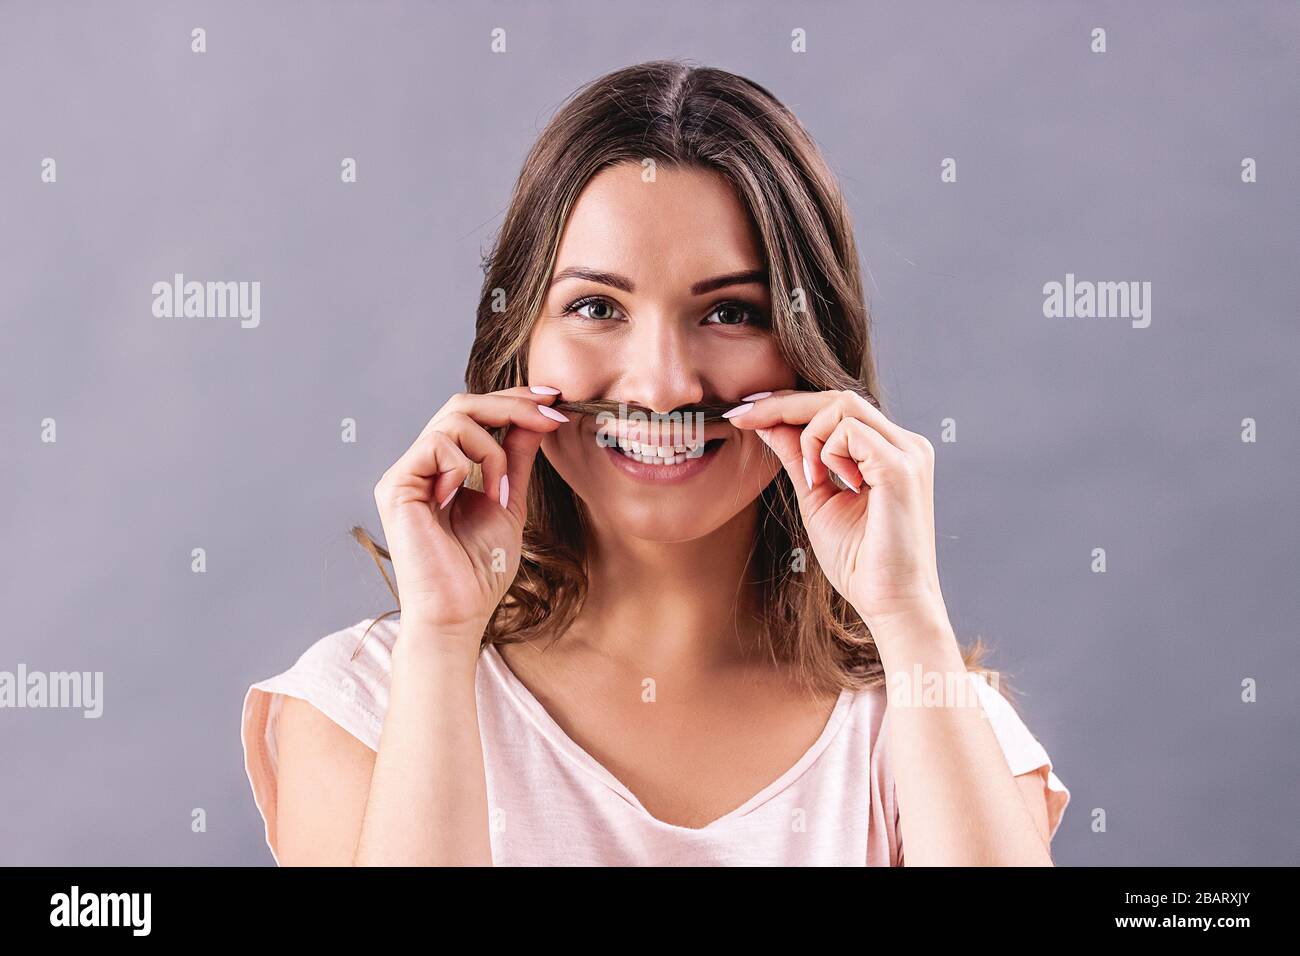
(352, 692)
(1023, 751)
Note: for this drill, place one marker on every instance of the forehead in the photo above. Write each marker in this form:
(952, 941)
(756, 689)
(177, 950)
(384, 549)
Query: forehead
(687, 222)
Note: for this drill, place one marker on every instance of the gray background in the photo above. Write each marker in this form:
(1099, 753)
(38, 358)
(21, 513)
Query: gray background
(1072, 434)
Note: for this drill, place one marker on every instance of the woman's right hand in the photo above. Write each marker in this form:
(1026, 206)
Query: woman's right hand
(443, 537)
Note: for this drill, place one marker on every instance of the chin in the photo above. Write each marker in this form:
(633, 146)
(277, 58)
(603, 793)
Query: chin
(675, 522)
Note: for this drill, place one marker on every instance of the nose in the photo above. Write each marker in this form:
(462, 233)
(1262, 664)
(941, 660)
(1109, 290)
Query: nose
(659, 367)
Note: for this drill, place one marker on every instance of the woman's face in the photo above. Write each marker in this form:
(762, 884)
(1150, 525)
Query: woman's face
(659, 299)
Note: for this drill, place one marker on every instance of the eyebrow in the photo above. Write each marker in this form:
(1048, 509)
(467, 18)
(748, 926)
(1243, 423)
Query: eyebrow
(625, 284)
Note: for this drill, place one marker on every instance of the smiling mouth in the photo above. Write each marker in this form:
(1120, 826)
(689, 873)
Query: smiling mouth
(653, 465)
(664, 456)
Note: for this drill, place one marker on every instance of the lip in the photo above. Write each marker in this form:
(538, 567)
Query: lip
(662, 474)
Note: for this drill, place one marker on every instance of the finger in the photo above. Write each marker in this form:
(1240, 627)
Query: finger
(432, 468)
(794, 410)
(784, 442)
(870, 457)
(512, 406)
(818, 431)
(813, 440)
(479, 446)
(798, 407)
(521, 446)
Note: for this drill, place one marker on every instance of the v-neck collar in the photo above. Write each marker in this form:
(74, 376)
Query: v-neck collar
(565, 744)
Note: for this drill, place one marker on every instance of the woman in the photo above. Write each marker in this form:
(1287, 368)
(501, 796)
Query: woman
(657, 647)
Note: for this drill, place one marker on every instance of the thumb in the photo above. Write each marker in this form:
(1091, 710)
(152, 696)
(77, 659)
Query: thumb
(521, 445)
(784, 441)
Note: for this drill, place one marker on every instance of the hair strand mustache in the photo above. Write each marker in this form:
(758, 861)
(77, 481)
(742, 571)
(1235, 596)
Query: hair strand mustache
(712, 411)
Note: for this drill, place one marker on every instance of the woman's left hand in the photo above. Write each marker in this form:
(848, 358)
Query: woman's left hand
(876, 546)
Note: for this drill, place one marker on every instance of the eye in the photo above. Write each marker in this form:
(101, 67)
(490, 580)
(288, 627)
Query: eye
(735, 313)
(602, 306)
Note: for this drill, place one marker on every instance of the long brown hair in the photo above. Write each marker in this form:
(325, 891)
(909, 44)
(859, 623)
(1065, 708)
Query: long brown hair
(669, 113)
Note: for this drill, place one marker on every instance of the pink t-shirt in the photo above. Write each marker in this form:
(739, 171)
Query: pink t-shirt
(551, 803)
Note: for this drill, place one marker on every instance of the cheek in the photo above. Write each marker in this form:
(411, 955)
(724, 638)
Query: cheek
(541, 358)
(755, 463)
(779, 370)
(561, 362)
(741, 368)
(569, 457)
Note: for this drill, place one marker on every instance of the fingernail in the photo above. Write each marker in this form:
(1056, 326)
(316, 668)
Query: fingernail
(543, 390)
(755, 397)
(807, 473)
(552, 413)
(849, 486)
(446, 501)
(738, 410)
(505, 490)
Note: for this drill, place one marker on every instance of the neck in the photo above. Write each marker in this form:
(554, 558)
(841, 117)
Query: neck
(657, 606)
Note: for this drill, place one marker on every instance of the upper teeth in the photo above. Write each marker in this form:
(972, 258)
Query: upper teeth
(660, 454)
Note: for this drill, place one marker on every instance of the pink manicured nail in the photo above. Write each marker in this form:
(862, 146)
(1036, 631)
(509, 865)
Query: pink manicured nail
(446, 501)
(505, 490)
(755, 397)
(552, 413)
(738, 410)
(851, 488)
(807, 473)
(543, 390)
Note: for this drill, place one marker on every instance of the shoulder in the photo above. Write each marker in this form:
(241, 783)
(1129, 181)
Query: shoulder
(310, 732)
(344, 675)
(1025, 754)
(356, 661)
